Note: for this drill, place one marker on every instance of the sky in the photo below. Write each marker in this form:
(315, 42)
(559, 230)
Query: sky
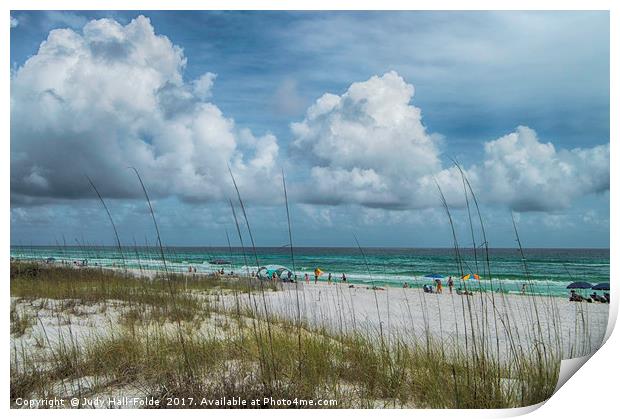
(371, 116)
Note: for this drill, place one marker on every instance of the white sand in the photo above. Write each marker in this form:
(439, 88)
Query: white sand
(394, 312)
(409, 313)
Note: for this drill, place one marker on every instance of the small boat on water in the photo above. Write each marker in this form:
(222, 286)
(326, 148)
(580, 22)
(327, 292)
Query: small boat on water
(219, 262)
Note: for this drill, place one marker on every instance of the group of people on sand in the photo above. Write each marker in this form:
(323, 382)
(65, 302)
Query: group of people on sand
(285, 277)
(593, 297)
(330, 278)
(438, 286)
(218, 272)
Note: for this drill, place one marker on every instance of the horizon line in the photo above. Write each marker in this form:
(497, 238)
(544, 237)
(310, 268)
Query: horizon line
(306, 247)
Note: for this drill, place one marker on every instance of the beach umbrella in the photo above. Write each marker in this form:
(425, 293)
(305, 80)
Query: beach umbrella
(434, 276)
(468, 276)
(601, 287)
(579, 285)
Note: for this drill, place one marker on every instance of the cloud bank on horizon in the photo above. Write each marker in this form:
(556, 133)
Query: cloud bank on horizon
(112, 96)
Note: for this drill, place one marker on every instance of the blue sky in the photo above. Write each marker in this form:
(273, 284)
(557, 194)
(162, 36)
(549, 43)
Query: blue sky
(404, 94)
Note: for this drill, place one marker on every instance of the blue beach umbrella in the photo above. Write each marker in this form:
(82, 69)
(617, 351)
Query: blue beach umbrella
(579, 285)
(434, 276)
(601, 287)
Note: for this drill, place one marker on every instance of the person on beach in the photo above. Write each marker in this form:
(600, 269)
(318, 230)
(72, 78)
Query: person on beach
(523, 289)
(307, 278)
(439, 286)
(317, 273)
(450, 284)
(344, 277)
(329, 279)
(406, 285)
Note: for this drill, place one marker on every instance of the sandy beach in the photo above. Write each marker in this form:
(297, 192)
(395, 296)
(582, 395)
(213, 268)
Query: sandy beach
(399, 312)
(411, 312)
(82, 330)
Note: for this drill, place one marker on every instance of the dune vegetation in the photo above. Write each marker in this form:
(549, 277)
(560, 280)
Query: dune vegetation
(169, 338)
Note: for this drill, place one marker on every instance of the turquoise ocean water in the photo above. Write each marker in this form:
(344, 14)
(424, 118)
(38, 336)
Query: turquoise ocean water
(550, 270)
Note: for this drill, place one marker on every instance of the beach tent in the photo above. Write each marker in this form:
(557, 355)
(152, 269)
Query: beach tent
(266, 272)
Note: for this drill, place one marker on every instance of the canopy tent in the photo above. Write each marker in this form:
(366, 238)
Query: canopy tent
(282, 272)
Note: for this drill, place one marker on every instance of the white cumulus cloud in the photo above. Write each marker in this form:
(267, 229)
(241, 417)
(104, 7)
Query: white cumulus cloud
(370, 147)
(367, 146)
(529, 175)
(95, 101)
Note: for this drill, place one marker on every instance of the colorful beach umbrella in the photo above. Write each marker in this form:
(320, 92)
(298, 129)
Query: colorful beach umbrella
(468, 276)
(318, 272)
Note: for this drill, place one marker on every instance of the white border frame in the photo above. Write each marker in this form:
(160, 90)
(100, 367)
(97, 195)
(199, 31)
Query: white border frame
(600, 373)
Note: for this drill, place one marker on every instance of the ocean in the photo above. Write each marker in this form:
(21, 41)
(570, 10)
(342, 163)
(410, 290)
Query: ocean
(545, 271)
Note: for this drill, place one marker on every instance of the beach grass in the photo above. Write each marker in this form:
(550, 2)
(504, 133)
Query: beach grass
(178, 336)
(20, 322)
(239, 350)
(172, 336)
